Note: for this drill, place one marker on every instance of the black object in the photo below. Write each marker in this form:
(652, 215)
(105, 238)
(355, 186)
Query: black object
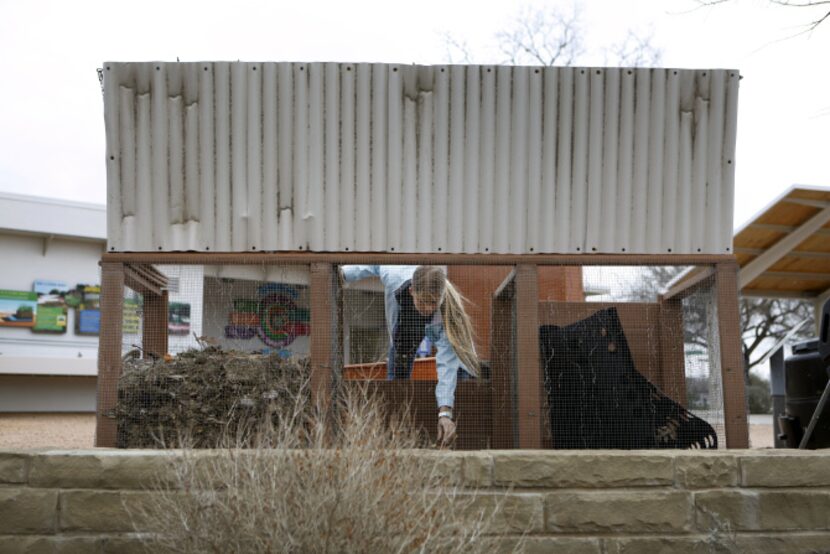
(598, 399)
(823, 351)
(408, 331)
(804, 381)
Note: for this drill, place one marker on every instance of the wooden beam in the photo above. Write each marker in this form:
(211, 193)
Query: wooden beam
(384, 258)
(704, 276)
(801, 254)
(528, 371)
(785, 228)
(154, 334)
(731, 357)
(772, 293)
(109, 353)
(806, 202)
(797, 275)
(139, 282)
(777, 251)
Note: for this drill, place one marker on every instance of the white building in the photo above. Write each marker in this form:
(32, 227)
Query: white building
(59, 242)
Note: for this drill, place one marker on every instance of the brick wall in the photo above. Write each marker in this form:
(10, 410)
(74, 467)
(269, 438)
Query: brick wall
(581, 501)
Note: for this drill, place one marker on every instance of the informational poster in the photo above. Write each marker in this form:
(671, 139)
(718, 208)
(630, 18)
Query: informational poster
(17, 308)
(51, 306)
(89, 310)
(132, 317)
(178, 320)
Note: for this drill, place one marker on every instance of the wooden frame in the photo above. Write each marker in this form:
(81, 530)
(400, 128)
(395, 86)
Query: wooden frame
(520, 406)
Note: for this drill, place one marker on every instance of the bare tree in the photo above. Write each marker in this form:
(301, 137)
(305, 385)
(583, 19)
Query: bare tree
(552, 36)
(636, 50)
(763, 320)
(543, 37)
(817, 20)
(770, 319)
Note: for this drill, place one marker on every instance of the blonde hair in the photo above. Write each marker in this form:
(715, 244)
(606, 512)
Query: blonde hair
(431, 284)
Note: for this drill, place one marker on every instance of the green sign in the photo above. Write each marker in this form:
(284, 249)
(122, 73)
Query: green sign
(17, 308)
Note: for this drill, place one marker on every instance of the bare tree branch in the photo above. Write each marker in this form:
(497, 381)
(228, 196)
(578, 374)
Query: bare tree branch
(457, 50)
(808, 27)
(636, 50)
(543, 37)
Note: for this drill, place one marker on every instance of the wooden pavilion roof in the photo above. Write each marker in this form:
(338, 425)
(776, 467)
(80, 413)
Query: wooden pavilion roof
(784, 251)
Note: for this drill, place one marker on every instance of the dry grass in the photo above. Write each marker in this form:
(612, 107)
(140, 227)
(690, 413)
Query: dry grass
(348, 482)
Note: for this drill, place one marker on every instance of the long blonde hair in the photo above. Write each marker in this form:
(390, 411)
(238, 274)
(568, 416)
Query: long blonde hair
(430, 283)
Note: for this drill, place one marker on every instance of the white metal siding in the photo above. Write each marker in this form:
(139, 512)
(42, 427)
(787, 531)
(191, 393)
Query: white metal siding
(240, 156)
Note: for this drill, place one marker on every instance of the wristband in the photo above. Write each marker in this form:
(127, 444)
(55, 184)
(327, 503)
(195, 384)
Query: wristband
(448, 415)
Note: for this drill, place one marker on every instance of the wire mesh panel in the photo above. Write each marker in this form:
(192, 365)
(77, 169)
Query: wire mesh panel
(539, 356)
(237, 347)
(617, 368)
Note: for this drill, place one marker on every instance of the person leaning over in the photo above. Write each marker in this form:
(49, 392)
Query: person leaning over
(421, 302)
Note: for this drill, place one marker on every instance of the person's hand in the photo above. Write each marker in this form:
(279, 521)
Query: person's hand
(446, 432)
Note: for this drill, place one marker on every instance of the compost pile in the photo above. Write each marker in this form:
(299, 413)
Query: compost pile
(205, 397)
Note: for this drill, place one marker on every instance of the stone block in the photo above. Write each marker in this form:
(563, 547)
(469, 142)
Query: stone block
(101, 511)
(131, 544)
(542, 545)
(809, 469)
(630, 512)
(446, 463)
(795, 510)
(25, 510)
(670, 545)
(508, 513)
(13, 467)
(728, 511)
(107, 469)
(705, 471)
(582, 469)
(478, 469)
(784, 543)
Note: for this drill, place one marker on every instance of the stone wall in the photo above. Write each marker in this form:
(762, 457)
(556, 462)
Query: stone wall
(579, 501)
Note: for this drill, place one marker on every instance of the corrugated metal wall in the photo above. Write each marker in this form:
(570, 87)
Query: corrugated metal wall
(236, 156)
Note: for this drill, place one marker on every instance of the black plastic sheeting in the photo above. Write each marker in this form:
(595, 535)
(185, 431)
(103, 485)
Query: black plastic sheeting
(598, 399)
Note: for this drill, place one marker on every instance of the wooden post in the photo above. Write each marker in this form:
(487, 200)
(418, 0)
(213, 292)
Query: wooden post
(154, 329)
(109, 352)
(672, 379)
(502, 360)
(528, 372)
(323, 332)
(731, 356)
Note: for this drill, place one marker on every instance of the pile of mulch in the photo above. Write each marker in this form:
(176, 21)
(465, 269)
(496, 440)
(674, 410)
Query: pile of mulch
(204, 398)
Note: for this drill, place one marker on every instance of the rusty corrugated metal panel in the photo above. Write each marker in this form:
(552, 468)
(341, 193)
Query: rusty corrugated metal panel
(242, 156)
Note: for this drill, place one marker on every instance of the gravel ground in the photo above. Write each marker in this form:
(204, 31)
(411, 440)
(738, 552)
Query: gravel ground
(47, 430)
(78, 431)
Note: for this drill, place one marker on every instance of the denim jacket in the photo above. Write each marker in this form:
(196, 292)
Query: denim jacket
(446, 360)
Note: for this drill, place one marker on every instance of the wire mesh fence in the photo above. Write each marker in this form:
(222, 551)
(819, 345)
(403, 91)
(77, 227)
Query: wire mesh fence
(556, 356)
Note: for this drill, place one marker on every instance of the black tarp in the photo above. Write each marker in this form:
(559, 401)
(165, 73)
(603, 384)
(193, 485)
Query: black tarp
(598, 399)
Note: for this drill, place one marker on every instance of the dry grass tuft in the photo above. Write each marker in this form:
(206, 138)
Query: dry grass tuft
(345, 481)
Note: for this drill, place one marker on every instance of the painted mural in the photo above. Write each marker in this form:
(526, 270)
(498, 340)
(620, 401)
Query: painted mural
(273, 317)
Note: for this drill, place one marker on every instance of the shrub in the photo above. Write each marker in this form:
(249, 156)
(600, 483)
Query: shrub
(347, 480)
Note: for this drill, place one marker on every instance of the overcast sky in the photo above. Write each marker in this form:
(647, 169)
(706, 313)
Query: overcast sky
(51, 110)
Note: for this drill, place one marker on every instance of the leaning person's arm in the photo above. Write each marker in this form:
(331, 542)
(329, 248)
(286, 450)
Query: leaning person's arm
(358, 272)
(447, 364)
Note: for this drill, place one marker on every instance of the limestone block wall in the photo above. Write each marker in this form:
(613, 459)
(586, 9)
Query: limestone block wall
(603, 502)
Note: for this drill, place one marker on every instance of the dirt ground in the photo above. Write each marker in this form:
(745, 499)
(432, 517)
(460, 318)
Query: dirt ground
(47, 430)
(78, 431)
